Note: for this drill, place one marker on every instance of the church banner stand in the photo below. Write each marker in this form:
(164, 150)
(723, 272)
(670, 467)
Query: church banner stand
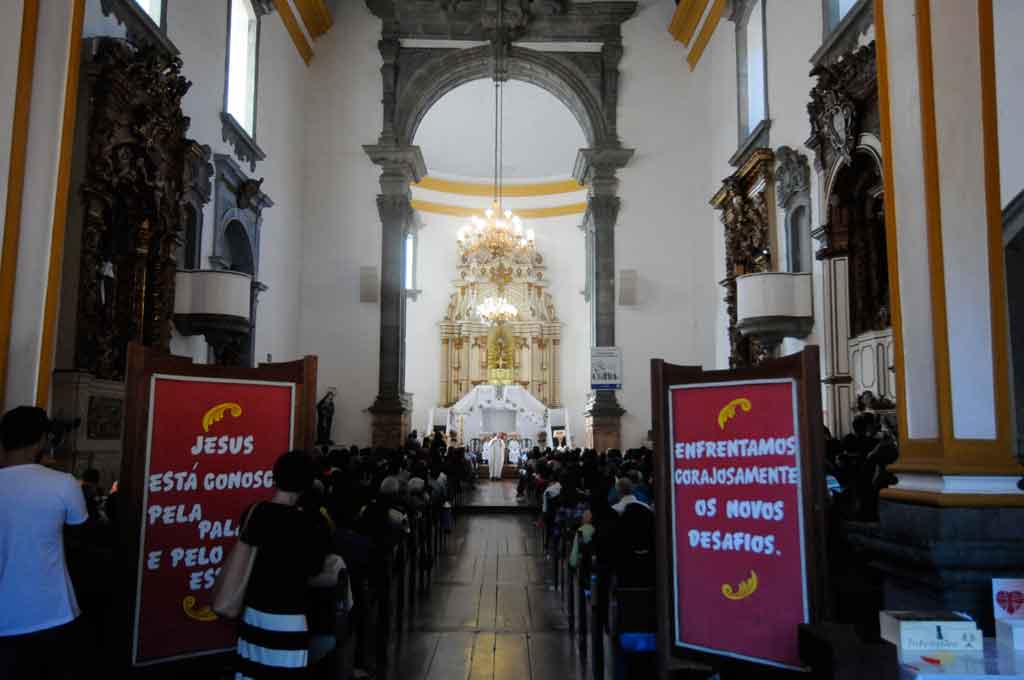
(200, 442)
(739, 461)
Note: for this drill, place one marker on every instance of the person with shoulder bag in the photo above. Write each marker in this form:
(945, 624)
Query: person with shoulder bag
(264, 581)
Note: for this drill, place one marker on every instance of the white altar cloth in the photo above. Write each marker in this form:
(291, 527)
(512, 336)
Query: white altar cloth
(531, 415)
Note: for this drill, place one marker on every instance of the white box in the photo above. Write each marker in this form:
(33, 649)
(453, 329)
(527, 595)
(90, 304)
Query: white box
(1010, 633)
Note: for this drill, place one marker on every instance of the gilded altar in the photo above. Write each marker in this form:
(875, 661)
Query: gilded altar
(524, 351)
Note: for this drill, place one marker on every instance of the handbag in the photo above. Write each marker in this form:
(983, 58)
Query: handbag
(233, 580)
(328, 576)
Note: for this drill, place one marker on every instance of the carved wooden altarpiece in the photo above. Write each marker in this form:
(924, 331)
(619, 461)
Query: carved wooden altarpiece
(747, 202)
(525, 351)
(133, 194)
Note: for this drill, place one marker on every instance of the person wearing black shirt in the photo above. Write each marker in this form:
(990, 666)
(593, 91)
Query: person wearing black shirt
(273, 634)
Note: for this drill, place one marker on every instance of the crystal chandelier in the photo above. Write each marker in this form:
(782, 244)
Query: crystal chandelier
(496, 310)
(499, 233)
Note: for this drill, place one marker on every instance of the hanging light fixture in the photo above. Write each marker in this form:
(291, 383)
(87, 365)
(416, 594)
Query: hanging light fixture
(496, 310)
(499, 232)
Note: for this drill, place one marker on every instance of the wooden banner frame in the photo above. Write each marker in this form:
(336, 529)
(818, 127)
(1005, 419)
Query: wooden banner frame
(142, 364)
(804, 370)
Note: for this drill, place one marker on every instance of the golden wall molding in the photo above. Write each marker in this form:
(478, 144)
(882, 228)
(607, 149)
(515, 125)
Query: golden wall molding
(686, 19)
(291, 23)
(16, 180)
(706, 31)
(461, 188)
(315, 16)
(525, 213)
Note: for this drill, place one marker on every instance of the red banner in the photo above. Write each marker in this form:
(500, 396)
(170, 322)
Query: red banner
(737, 520)
(212, 447)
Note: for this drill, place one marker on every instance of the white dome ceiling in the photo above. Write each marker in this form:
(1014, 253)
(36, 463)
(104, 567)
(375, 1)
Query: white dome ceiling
(541, 136)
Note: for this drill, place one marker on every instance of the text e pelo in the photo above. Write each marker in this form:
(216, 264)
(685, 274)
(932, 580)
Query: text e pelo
(736, 448)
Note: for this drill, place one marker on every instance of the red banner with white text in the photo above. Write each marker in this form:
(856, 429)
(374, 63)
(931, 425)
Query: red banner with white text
(737, 520)
(212, 447)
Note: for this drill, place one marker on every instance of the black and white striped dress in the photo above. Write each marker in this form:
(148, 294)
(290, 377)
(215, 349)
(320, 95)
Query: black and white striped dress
(273, 633)
(272, 645)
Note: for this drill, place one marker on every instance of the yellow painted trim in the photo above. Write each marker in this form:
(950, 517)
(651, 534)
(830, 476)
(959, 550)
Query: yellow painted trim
(954, 500)
(315, 15)
(525, 213)
(993, 203)
(60, 206)
(510, 190)
(706, 31)
(933, 218)
(294, 30)
(686, 19)
(16, 181)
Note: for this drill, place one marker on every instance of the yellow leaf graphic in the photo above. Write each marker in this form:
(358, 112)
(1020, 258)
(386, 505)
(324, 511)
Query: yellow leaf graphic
(728, 412)
(745, 590)
(204, 614)
(216, 414)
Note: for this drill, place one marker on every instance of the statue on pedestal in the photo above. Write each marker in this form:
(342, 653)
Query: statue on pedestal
(325, 418)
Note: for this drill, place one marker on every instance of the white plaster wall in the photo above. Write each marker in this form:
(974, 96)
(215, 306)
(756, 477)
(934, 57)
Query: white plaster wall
(10, 49)
(561, 243)
(1009, 23)
(719, 61)
(341, 230)
(280, 119)
(664, 230)
(962, 199)
(912, 235)
(794, 33)
(42, 151)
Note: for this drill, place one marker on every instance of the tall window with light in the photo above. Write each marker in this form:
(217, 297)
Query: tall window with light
(409, 274)
(751, 68)
(835, 11)
(240, 89)
(155, 10)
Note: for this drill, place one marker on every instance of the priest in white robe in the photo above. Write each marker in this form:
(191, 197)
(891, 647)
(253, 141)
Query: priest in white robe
(515, 451)
(485, 451)
(497, 462)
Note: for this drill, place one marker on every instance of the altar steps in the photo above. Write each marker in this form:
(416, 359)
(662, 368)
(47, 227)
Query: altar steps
(507, 472)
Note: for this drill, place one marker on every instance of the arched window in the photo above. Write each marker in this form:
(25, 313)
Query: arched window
(798, 237)
(242, 70)
(751, 67)
(188, 246)
(239, 249)
(835, 11)
(156, 9)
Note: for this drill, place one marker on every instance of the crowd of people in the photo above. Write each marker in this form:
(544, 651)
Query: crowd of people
(320, 544)
(600, 504)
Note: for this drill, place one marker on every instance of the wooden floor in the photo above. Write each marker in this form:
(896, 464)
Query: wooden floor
(488, 494)
(489, 614)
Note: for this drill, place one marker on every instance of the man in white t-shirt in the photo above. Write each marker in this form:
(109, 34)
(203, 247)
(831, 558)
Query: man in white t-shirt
(38, 600)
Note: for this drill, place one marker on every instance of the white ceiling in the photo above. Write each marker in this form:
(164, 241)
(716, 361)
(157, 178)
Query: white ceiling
(541, 135)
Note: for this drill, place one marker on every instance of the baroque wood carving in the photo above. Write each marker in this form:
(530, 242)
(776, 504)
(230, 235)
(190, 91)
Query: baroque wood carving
(523, 351)
(746, 214)
(133, 195)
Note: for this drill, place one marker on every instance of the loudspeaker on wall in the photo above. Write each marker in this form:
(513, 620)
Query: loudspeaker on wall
(369, 284)
(627, 287)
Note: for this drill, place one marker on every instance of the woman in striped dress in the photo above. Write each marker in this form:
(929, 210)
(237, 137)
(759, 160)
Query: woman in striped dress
(273, 634)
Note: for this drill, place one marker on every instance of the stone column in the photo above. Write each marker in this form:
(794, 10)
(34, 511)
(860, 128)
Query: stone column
(596, 167)
(392, 409)
(953, 520)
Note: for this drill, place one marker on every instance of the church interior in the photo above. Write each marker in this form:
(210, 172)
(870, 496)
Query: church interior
(470, 235)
